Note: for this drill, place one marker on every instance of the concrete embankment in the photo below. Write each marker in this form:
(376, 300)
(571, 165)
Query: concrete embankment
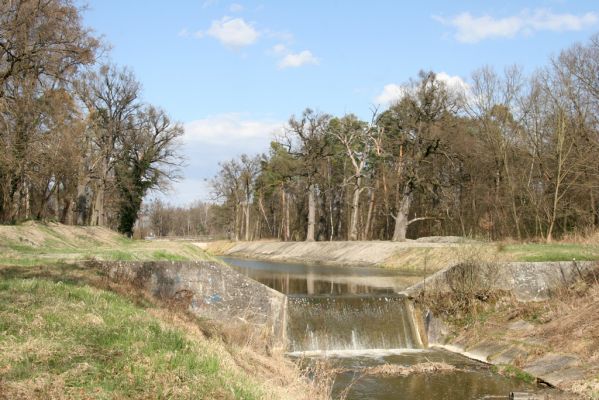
(527, 281)
(538, 326)
(411, 255)
(210, 290)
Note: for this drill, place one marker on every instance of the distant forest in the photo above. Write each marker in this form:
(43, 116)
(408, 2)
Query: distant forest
(508, 156)
(77, 143)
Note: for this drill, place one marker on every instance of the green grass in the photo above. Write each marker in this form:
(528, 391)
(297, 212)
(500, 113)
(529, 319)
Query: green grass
(551, 252)
(65, 340)
(17, 249)
(513, 372)
(165, 255)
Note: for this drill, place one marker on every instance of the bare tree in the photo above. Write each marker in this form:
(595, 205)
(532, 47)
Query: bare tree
(307, 139)
(42, 44)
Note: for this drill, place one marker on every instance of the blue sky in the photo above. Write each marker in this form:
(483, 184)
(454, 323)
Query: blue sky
(234, 71)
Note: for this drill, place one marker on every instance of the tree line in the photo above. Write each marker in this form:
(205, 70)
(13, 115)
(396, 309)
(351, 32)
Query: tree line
(77, 142)
(510, 155)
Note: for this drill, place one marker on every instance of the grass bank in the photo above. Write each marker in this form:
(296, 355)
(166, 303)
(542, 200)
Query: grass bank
(34, 243)
(60, 340)
(67, 332)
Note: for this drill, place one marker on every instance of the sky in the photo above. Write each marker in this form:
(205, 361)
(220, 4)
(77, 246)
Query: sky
(233, 72)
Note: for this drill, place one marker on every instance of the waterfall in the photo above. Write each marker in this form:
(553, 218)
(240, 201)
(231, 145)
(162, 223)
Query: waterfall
(333, 323)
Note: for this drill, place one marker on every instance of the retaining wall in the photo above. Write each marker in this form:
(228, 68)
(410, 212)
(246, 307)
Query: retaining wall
(528, 281)
(211, 290)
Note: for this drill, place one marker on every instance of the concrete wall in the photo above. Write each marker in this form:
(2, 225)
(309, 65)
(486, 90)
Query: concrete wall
(528, 281)
(409, 254)
(211, 290)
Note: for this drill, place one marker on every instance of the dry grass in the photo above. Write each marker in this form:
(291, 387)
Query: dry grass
(231, 370)
(219, 247)
(567, 323)
(400, 370)
(34, 243)
(570, 321)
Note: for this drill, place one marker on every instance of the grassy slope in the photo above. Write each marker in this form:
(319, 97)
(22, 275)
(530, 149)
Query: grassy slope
(65, 332)
(33, 244)
(62, 340)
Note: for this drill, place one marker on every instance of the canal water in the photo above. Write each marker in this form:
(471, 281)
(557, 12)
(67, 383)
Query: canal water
(355, 318)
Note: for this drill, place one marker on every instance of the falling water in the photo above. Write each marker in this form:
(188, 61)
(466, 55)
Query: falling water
(332, 323)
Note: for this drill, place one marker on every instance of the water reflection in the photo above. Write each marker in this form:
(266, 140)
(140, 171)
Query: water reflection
(474, 380)
(319, 280)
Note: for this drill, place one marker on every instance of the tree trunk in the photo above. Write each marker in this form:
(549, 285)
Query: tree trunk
(237, 223)
(311, 213)
(369, 219)
(401, 219)
(287, 220)
(247, 221)
(97, 217)
(98, 212)
(284, 215)
(353, 226)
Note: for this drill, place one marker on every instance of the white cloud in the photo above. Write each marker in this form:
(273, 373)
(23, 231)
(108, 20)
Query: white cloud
(279, 49)
(183, 33)
(471, 29)
(453, 82)
(393, 92)
(230, 129)
(236, 7)
(294, 60)
(232, 32)
(217, 138)
(209, 3)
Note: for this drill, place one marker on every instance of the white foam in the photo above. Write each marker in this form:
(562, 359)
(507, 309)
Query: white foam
(374, 353)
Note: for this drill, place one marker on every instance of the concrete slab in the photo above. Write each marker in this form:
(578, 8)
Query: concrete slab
(551, 363)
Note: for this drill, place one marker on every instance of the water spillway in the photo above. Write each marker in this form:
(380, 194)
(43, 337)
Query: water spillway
(355, 317)
(339, 309)
(352, 322)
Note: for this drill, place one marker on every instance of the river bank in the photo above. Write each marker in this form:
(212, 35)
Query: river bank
(537, 321)
(410, 255)
(428, 254)
(72, 327)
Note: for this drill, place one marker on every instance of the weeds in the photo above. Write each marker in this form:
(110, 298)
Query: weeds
(466, 292)
(513, 372)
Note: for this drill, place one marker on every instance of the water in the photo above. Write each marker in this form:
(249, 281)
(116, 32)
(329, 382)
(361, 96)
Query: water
(320, 280)
(333, 323)
(473, 380)
(355, 318)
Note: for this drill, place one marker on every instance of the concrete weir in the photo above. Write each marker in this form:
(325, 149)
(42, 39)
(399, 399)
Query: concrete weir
(211, 290)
